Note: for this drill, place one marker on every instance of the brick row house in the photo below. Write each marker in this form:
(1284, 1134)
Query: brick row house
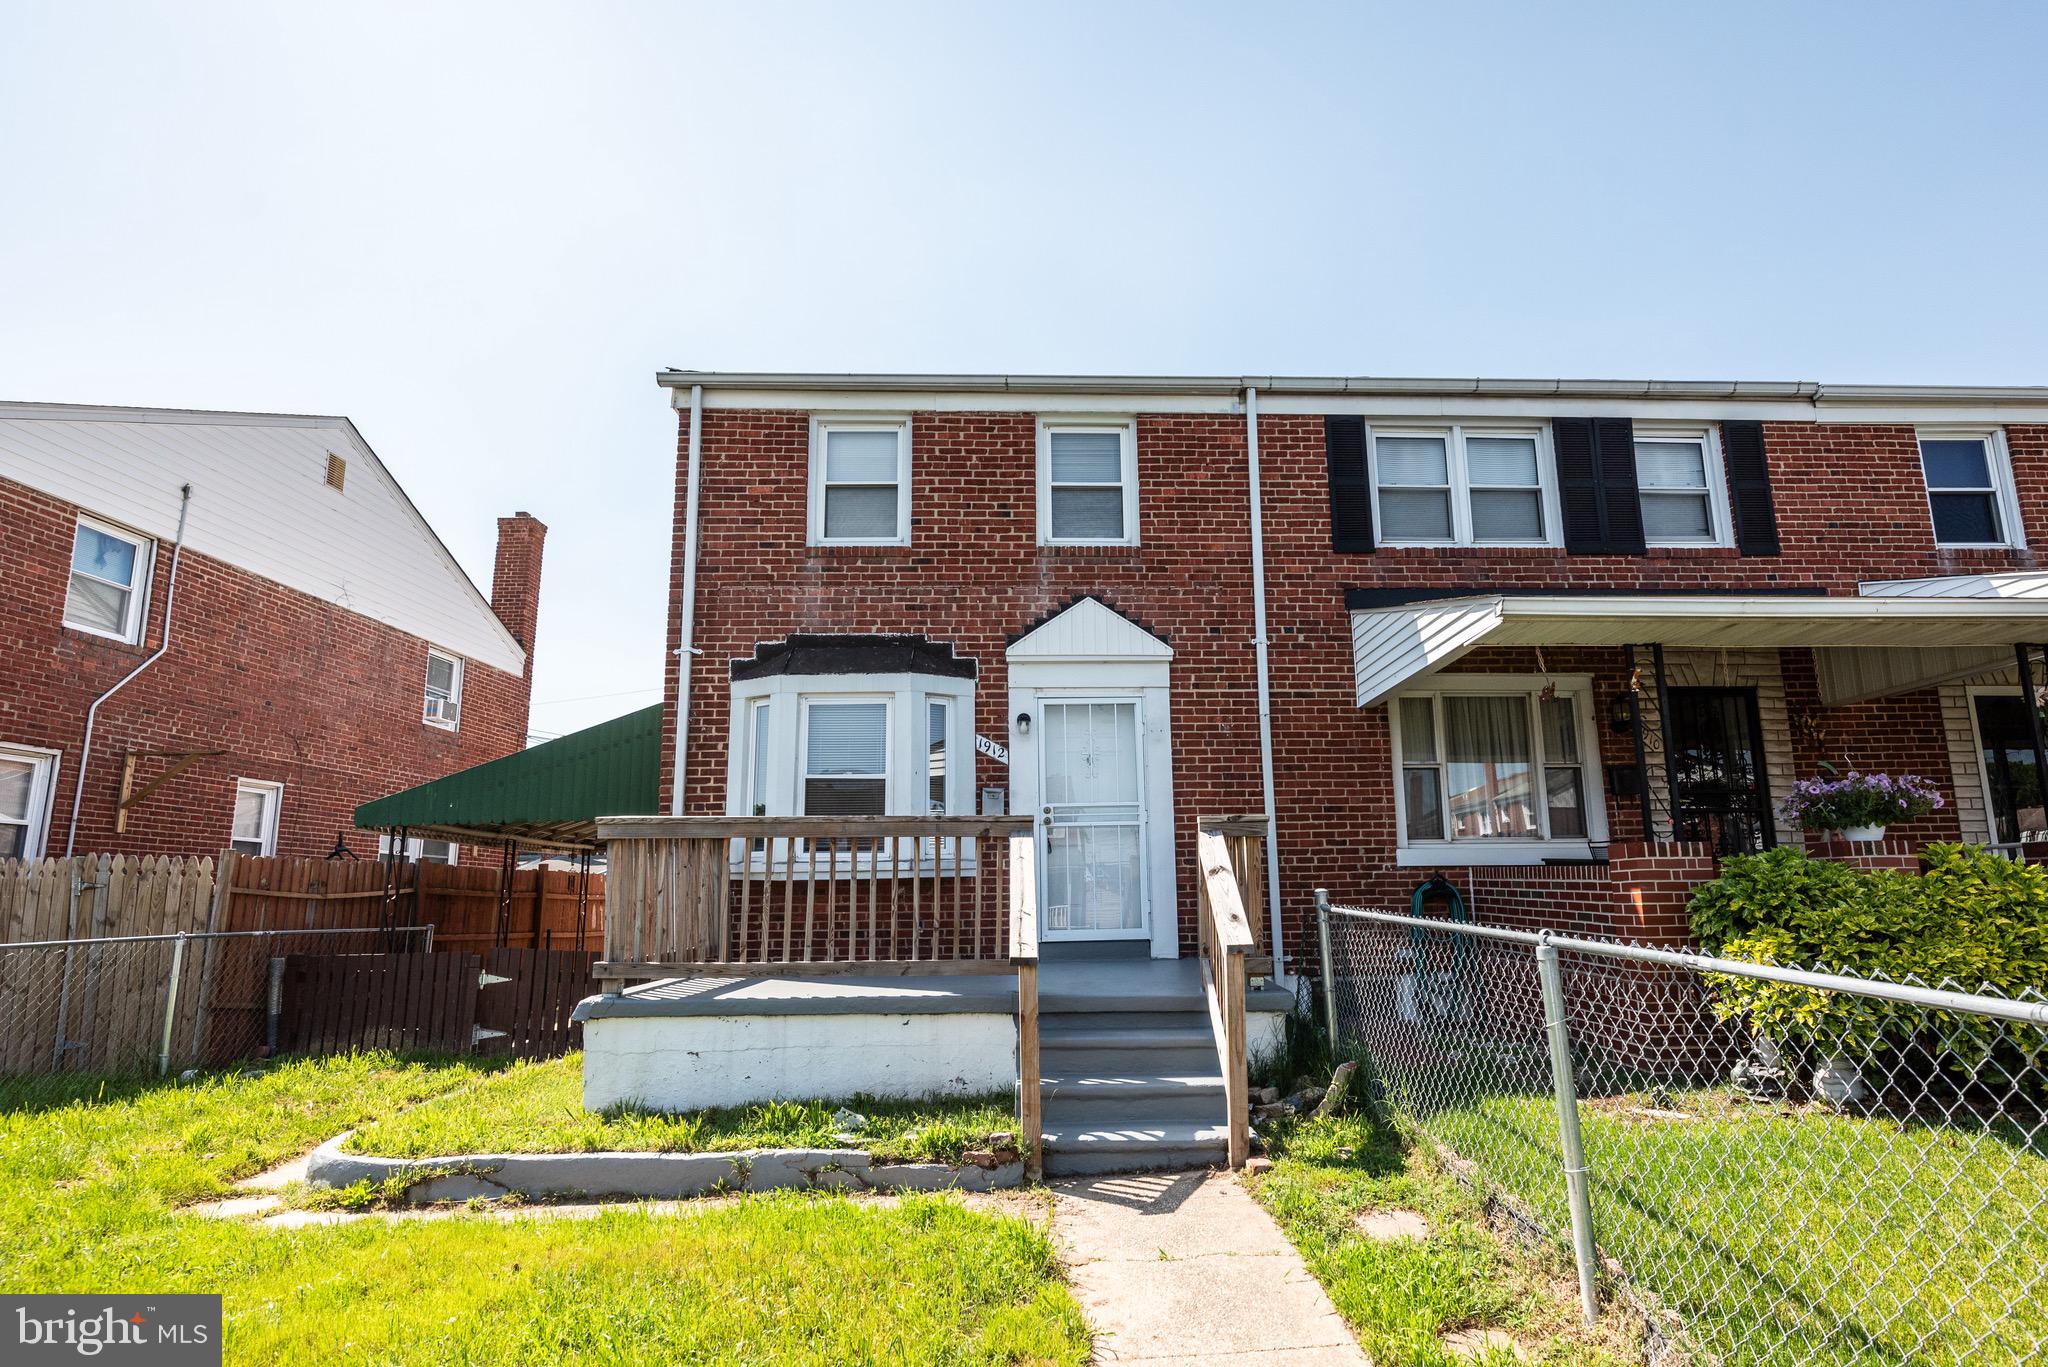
(293, 636)
(1490, 611)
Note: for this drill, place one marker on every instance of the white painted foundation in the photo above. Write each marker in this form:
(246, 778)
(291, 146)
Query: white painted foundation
(693, 1062)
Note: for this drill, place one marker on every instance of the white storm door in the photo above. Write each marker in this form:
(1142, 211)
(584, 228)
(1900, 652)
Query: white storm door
(1092, 819)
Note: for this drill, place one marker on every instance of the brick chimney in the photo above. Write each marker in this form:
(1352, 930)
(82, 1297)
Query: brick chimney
(515, 579)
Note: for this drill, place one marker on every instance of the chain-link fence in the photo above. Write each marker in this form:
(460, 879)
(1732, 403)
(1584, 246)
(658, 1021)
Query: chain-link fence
(151, 1004)
(1768, 1165)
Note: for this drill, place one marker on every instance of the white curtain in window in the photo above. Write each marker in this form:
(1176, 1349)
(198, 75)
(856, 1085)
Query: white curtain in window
(1489, 766)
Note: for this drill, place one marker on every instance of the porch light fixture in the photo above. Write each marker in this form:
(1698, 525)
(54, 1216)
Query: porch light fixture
(1023, 723)
(1621, 713)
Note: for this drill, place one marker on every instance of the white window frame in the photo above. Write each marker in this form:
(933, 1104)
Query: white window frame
(868, 422)
(138, 596)
(1453, 435)
(416, 846)
(1502, 849)
(42, 789)
(273, 803)
(947, 778)
(1126, 431)
(2005, 495)
(788, 698)
(1720, 522)
(889, 776)
(455, 696)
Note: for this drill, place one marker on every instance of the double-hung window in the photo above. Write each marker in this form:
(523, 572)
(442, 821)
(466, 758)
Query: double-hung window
(420, 850)
(109, 580)
(1499, 767)
(26, 778)
(1087, 483)
(255, 823)
(845, 747)
(1463, 486)
(1969, 489)
(1680, 488)
(860, 482)
(444, 690)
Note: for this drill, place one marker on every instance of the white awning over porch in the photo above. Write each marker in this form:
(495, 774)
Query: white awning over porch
(1893, 636)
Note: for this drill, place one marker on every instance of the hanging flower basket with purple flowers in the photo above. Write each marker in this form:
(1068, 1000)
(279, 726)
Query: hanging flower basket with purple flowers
(1860, 805)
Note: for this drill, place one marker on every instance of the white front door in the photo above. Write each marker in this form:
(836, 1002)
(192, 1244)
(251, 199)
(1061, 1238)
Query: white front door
(1091, 821)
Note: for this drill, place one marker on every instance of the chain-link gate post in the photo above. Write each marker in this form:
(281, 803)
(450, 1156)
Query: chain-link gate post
(1329, 967)
(1562, 1083)
(163, 1057)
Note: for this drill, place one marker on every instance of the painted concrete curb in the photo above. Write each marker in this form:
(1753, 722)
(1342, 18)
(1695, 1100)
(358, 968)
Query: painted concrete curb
(661, 1175)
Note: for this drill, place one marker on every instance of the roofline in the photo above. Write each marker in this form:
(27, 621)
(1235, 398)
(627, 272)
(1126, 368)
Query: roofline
(108, 412)
(1766, 391)
(1680, 606)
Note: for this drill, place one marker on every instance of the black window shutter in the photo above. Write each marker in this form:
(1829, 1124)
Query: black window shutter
(1749, 488)
(1350, 493)
(1596, 483)
(1616, 438)
(1578, 486)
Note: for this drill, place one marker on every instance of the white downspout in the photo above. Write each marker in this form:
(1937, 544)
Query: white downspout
(92, 713)
(686, 653)
(1251, 440)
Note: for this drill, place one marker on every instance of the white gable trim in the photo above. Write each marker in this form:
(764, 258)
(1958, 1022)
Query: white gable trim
(1089, 630)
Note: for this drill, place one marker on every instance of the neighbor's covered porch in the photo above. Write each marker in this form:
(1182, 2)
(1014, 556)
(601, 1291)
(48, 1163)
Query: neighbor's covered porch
(1657, 732)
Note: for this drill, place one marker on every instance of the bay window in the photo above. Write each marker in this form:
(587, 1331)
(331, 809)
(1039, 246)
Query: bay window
(850, 745)
(1496, 769)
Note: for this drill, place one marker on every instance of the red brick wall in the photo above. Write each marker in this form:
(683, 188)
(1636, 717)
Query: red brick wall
(1850, 506)
(297, 691)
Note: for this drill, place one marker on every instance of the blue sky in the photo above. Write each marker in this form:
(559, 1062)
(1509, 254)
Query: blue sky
(479, 230)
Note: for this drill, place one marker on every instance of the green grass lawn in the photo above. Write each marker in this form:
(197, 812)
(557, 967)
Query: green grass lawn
(1796, 1236)
(1403, 1296)
(90, 1188)
(538, 1108)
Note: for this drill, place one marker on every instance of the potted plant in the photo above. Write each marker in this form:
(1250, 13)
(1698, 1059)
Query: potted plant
(1860, 805)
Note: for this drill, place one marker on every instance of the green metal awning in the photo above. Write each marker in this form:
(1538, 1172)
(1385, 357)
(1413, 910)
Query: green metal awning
(548, 796)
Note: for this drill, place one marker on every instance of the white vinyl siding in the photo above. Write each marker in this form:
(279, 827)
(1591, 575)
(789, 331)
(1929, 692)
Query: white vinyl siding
(443, 707)
(1487, 769)
(860, 483)
(261, 502)
(1680, 487)
(1087, 483)
(1463, 485)
(108, 590)
(255, 822)
(27, 779)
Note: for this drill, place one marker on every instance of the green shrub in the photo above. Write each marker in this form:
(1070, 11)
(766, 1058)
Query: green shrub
(1972, 920)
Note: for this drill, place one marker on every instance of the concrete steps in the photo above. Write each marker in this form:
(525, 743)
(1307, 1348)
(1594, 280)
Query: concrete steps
(1130, 1090)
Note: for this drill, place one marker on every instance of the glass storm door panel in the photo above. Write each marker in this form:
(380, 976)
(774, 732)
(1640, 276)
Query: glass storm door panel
(2009, 769)
(1093, 819)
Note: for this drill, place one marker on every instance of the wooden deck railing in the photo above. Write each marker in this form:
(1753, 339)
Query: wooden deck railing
(875, 896)
(1244, 838)
(1227, 944)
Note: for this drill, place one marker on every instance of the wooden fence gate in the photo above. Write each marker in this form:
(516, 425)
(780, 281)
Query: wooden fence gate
(500, 1001)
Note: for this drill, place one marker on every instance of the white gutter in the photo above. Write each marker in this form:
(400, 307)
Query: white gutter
(92, 713)
(1251, 441)
(686, 652)
(1805, 393)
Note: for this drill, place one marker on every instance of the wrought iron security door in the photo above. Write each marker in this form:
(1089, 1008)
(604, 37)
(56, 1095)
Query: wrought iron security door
(1716, 750)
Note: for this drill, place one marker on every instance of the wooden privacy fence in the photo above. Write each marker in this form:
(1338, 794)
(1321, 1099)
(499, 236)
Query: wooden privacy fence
(470, 906)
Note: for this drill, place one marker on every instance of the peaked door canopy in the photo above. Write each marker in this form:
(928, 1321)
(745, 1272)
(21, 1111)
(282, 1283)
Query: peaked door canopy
(1089, 629)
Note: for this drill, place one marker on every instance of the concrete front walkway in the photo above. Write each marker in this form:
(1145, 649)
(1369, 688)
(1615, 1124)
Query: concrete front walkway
(1180, 1268)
